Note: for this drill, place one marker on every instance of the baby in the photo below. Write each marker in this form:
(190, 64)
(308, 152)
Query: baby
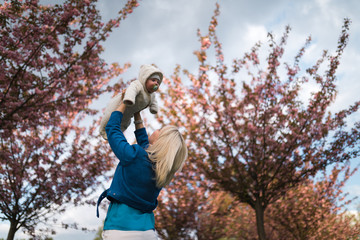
(138, 96)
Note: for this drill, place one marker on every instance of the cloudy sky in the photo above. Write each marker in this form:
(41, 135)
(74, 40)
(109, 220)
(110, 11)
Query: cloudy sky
(164, 32)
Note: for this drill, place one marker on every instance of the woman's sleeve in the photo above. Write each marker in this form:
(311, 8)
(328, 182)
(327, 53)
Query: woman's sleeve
(118, 143)
(142, 138)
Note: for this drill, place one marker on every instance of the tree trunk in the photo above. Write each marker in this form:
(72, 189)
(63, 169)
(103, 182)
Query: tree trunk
(259, 210)
(12, 230)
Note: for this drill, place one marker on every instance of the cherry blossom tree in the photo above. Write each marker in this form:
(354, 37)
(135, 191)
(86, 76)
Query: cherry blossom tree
(50, 71)
(248, 128)
(191, 208)
(223, 217)
(315, 210)
(176, 214)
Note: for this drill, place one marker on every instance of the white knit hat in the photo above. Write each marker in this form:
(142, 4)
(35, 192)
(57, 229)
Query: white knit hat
(156, 76)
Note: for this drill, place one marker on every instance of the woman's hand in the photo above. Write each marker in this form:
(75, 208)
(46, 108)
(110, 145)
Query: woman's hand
(122, 106)
(138, 120)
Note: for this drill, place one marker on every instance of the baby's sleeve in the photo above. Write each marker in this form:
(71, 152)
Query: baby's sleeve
(131, 92)
(153, 105)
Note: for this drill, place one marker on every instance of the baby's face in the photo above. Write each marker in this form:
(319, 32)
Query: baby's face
(152, 85)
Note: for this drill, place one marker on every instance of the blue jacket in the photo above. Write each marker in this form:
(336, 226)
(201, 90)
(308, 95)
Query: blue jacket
(134, 180)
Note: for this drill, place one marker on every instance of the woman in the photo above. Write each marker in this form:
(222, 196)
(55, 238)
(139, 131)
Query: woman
(144, 169)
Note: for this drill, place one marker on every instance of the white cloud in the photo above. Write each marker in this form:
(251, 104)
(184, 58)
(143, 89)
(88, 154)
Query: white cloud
(353, 190)
(253, 34)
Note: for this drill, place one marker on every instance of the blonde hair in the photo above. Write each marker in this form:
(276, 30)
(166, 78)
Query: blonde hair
(169, 153)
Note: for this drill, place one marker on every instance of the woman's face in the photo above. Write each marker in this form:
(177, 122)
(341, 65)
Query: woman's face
(154, 136)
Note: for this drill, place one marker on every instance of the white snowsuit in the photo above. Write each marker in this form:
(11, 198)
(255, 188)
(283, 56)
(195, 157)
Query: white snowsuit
(136, 97)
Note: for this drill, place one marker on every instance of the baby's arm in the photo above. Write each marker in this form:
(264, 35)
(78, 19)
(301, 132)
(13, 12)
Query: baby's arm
(153, 105)
(131, 92)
